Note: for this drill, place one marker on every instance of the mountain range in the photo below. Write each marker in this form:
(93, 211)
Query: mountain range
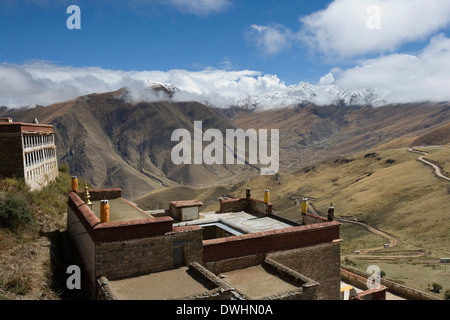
(112, 141)
(327, 92)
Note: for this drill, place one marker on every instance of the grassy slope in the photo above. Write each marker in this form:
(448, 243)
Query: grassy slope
(32, 256)
(403, 198)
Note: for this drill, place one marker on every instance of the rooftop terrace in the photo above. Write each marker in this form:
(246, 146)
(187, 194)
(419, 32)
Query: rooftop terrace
(183, 252)
(242, 216)
(120, 210)
(267, 280)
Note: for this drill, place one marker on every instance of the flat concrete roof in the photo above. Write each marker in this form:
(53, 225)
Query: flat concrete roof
(257, 282)
(235, 222)
(252, 283)
(120, 210)
(241, 221)
(166, 285)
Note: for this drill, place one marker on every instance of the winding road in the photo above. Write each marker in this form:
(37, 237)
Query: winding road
(377, 253)
(364, 253)
(437, 169)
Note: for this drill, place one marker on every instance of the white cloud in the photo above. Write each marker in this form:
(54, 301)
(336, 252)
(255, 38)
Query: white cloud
(196, 7)
(406, 78)
(392, 78)
(271, 40)
(200, 7)
(345, 29)
(327, 79)
(44, 83)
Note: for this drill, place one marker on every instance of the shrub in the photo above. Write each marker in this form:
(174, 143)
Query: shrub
(18, 285)
(437, 287)
(447, 294)
(52, 198)
(64, 168)
(14, 211)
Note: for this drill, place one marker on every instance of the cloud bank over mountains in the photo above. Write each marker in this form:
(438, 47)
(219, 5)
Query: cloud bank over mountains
(340, 33)
(393, 78)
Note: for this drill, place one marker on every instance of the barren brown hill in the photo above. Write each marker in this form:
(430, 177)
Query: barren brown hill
(440, 136)
(111, 142)
(309, 134)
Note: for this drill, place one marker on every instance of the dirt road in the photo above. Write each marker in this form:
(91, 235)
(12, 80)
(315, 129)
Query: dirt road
(437, 169)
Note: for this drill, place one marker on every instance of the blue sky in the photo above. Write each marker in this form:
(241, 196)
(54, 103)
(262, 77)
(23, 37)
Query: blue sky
(155, 36)
(292, 41)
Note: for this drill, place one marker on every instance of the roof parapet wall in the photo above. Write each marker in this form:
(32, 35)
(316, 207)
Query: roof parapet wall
(20, 127)
(121, 230)
(245, 204)
(270, 241)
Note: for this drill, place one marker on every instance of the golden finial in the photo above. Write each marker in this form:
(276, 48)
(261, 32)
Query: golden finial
(87, 195)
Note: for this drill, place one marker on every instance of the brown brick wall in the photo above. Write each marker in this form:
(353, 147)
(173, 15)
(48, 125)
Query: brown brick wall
(85, 249)
(245, 204)
(270, 241)
(11, 155)
(136, 247)
(118, 231)
(233, 205)
(18, 127)
(320, 263)
(259, 206)
(312, 219)
(226, 265)
(409, 293)
(127, 248)
(140, 256)
(100, 194)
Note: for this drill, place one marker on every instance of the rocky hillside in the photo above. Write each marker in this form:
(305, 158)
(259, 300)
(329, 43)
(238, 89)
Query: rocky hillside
(112, 142)
(309, 133)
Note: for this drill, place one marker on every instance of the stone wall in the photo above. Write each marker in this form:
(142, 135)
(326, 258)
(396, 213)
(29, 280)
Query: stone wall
(226, 265)
(117, 231)
(319, 262)
(256, 205)
(308, 286)
(217, 288)
(140, 256)
(11, 155)
(313, 251)
(245, 204)
(85, 248)
(396, 288)
(312, 219)
(361, 283)
(270, 241)
(128, 248)
(100, 194)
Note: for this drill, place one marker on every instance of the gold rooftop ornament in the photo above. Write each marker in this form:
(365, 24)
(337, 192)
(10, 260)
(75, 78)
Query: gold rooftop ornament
(87, 195)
